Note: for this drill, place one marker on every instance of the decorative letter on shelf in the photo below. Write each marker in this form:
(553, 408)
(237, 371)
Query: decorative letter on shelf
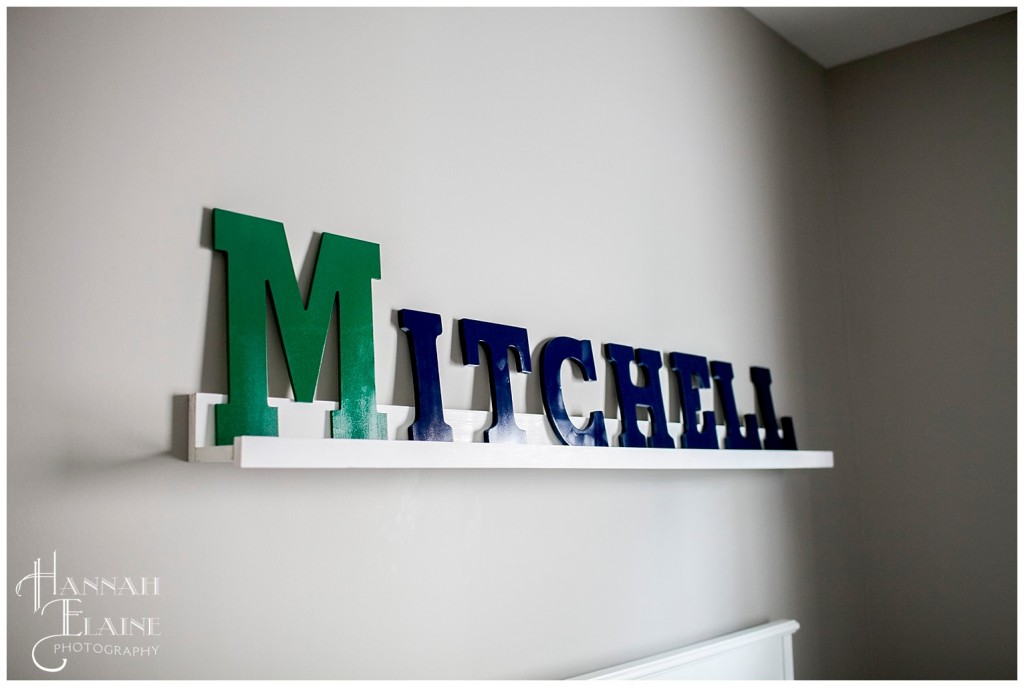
(422, 330)
(259, 264)
(556, 352)
(282, 432)
(631, 396)
(734, 438)
(496, 340)
(687, 368)
(762, 380)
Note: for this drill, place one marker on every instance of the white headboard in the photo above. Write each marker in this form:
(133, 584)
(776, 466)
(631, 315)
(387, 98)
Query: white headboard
(764, 652)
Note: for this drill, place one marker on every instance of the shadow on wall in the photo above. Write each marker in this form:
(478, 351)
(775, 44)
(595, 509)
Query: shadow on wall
(179, 426)
(213, 377)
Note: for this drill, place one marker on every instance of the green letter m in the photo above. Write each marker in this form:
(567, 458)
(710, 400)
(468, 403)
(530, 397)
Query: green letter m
(258, 264)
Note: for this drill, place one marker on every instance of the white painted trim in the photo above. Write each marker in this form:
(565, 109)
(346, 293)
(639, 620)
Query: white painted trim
(787, 657)
(652, 666)
(304, 427)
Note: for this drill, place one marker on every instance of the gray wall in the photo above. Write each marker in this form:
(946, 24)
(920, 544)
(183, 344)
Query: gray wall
(925, 176)
(659, 178)
(656, 178)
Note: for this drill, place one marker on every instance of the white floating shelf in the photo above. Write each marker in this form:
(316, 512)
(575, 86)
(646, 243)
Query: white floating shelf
(276, 452)
(304, 429)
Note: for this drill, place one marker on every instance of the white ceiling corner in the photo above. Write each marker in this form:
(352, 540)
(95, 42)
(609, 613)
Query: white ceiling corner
(835, 35)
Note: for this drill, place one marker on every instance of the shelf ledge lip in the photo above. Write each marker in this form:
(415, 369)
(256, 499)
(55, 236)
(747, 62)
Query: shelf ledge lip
(304, 453)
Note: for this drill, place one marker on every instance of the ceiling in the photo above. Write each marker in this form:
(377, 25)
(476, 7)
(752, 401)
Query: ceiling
(835, 35)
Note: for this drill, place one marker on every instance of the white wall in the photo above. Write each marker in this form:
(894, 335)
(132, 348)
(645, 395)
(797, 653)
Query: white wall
(926, 185)
(657, 178)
